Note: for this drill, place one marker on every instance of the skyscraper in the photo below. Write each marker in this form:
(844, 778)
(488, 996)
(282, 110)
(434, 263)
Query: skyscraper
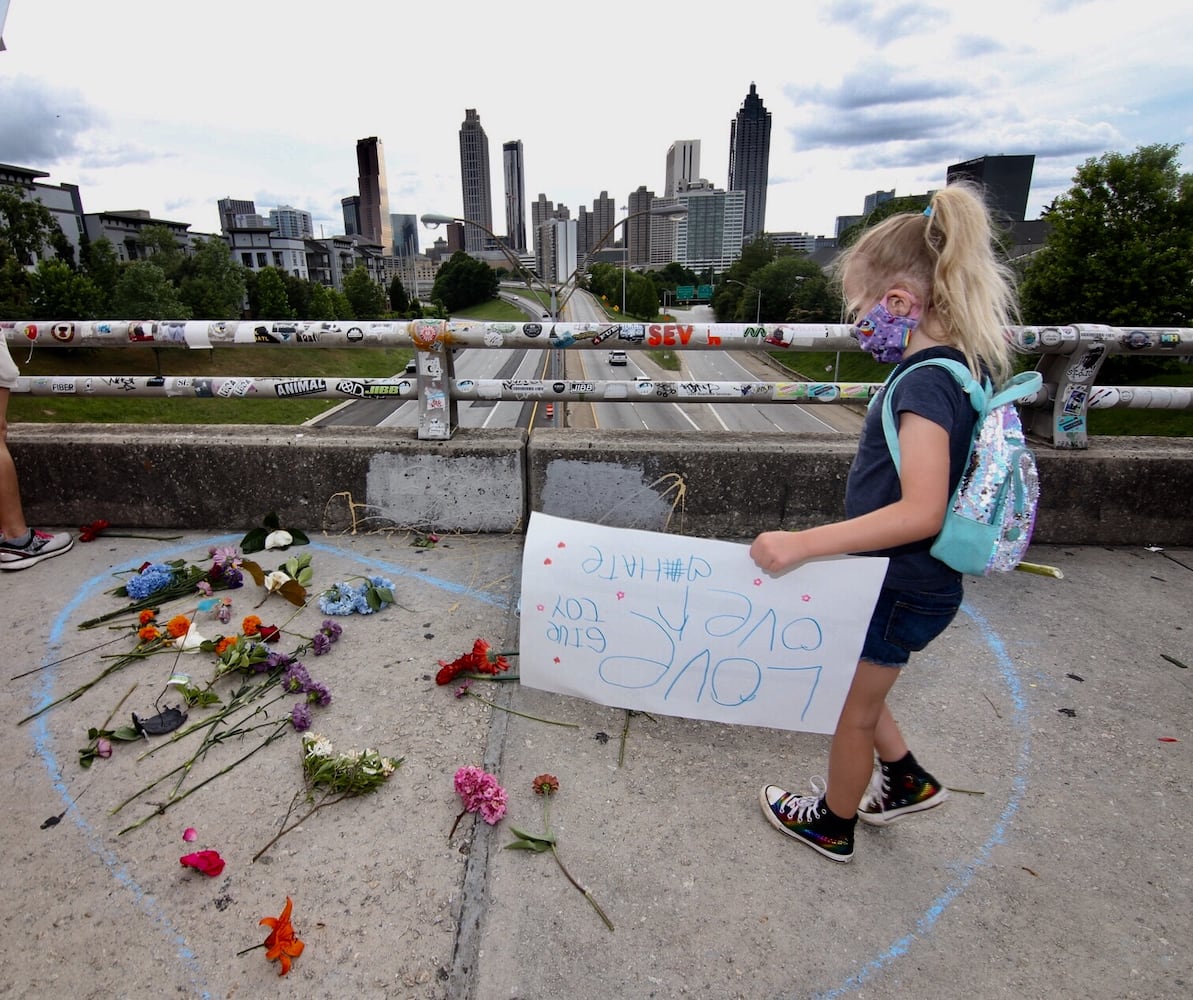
(351, 209)
(515, 195)
(637, 230)
(474, 180)
(749, 160)
(374, 195)
(405, 234)
(1006, 181)
(683, 165)
(291, 222)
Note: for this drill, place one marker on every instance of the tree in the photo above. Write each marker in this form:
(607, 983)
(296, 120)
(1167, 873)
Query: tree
(161, 246)
(144, 293)
(215, 288)
(399, 302)
(366, 296)
(464, 281)
(27, 228)
(60, 292)
(271, 296)
(320, 305)
(341, 308)
(298, 294)
(101, 264)
(1120, 247)
(907, 203)
(641, 296)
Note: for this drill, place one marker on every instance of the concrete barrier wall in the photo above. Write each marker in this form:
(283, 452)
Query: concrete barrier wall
(1121, 491)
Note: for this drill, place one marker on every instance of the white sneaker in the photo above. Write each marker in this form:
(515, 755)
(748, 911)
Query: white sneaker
(43, 545)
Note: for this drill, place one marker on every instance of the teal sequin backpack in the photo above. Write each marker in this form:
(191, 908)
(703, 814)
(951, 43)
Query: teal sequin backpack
(992, 512)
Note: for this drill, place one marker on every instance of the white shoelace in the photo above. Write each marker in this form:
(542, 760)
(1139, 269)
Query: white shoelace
(802, 808)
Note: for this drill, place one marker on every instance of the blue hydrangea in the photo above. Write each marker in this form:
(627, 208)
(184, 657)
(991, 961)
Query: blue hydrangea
(149, 581)
(340, 599)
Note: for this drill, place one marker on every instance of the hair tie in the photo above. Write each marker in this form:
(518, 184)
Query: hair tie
(928, 211)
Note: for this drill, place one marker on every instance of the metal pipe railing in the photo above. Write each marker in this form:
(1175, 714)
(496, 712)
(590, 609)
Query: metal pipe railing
(1069, 359)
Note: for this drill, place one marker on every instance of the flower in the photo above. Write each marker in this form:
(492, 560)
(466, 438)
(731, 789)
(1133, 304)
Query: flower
(279, 539)
(103, 748)
(481, 660)
(204, 588)
(481, 793)
(332, 630)
(189, 834)
(250, 625)
(192, 641)
(269, 633)
(178, 626)
(275, 580)
(296, 679)
(208, 862)
(150, 579)
(320, 644)
(226, 555)
(545, 784)
(317, 694)
(344, 599)
(300, 717)
(147, 616)
(148, 633)
(90, 532)
(282, 944)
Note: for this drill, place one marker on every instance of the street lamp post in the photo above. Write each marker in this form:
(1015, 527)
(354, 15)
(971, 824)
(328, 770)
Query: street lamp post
(673, 212)
(433, 220)
(758, 310)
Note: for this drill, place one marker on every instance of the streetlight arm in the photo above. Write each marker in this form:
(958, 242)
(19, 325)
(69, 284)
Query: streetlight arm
(433, 220)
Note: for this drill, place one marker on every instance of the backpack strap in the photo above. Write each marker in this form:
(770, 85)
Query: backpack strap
(981, 395)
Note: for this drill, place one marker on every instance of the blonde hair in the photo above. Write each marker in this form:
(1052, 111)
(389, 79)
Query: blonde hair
(947, 256)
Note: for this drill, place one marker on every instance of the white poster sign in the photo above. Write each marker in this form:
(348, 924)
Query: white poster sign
(689, 626)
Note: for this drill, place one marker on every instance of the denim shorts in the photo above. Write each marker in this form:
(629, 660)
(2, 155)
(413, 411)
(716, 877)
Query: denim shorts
(905, 621)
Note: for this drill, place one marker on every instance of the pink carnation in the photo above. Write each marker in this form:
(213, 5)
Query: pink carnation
(481, 793)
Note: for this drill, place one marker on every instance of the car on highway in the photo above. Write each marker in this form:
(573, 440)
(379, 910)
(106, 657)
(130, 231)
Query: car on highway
(618, 358)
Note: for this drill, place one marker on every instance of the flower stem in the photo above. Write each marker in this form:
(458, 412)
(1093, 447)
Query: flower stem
(563, 868)
(239, 760)
(549, 722)
(301, 819)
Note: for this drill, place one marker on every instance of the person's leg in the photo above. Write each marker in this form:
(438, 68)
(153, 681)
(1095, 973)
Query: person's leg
(851, 757)
(888, 740)
(12, 517)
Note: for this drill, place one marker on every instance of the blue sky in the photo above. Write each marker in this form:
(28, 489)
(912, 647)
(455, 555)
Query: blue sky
(169, 106)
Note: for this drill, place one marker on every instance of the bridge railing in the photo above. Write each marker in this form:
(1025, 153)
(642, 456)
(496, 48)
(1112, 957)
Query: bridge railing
(1069, 357)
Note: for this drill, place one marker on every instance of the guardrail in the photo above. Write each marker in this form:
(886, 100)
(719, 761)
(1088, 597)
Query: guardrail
(1069, 359)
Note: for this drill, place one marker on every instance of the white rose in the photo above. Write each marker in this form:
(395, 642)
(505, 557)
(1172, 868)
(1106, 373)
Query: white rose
(275, 580)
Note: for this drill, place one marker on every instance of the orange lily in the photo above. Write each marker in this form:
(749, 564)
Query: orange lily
(282, 944)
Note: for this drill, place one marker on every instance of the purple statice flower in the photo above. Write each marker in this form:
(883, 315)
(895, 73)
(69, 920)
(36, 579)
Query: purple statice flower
(332, 630)
(317, 694)
(320, 644)
(296, 679)
(300, 717)
(275, 660)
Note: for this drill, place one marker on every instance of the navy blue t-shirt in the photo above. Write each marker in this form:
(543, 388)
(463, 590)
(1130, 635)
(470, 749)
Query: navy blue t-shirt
(933, 393)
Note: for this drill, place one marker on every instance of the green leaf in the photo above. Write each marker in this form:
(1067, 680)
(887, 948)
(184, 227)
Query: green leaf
(526, 845)
(126, 733)
(299, 537)
(547, 839)
(372, 599)
(271, 521)
(254, 541)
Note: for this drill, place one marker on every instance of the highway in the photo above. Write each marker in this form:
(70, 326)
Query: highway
(641, 377)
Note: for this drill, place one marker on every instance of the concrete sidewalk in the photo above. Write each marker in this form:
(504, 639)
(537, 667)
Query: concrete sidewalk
(1060, 866)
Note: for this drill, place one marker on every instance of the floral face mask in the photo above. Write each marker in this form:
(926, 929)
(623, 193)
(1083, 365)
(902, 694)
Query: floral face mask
(885, 335)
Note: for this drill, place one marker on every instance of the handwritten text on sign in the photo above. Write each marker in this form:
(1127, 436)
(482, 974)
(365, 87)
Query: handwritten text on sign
(690, 626)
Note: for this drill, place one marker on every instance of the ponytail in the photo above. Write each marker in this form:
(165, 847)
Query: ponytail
(948, 254)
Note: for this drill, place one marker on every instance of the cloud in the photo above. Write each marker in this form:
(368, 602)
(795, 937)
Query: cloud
(881, 24)
(40, 125)
(876, 85)
(976, 46)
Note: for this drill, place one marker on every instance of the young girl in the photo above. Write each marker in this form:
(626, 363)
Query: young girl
(928, 286)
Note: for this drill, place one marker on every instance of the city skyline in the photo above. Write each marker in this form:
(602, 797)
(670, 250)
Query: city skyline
(860, 102)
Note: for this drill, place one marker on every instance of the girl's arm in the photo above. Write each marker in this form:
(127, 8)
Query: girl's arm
(918, 514)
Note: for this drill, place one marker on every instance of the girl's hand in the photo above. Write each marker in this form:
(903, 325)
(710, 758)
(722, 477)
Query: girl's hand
(777, 551)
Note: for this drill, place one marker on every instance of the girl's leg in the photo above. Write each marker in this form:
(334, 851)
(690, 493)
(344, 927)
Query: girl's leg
(851, 757)
(12, 517)
(888, 740)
